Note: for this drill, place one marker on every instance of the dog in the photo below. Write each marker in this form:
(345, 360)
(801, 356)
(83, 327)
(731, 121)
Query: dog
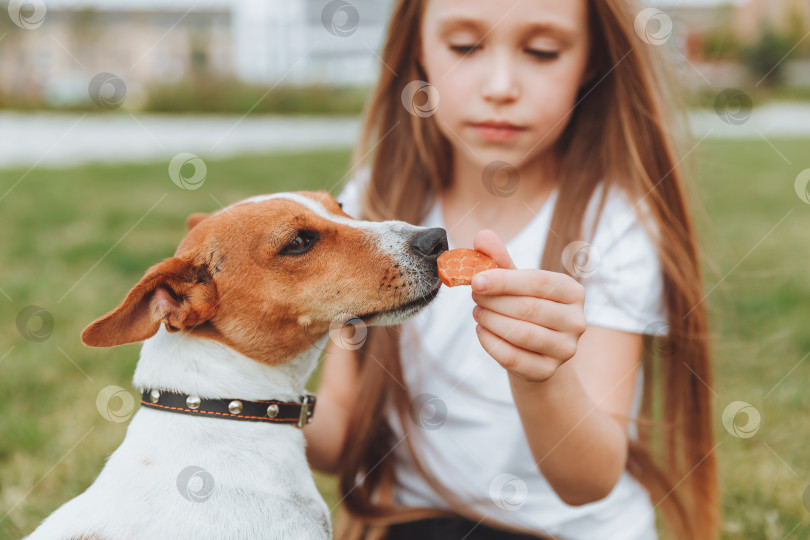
(233, 325)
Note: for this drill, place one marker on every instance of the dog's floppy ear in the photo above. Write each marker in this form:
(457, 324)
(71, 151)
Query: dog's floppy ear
(194, 219)
(175, 292)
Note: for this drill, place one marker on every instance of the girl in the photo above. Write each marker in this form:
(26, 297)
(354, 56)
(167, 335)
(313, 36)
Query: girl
(538, 132)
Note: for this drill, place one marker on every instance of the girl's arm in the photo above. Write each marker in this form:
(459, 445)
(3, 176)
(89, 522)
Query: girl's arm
(326, 433)
(576, 421)
(566, 380)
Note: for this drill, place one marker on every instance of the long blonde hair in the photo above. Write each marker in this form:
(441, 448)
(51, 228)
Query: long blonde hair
(621, 134)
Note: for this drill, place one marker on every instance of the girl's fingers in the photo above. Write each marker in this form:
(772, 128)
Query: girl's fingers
(553, 315)
(529, 336)
(526, 364)
(487, 242)
(554, 286)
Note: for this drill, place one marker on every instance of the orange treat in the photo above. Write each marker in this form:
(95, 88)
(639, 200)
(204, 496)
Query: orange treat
(458, 266)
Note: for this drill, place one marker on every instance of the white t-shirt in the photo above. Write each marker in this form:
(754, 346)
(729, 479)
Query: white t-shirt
(463, 397)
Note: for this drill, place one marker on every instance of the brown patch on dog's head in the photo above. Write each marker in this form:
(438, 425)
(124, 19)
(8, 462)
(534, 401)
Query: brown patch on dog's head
(194, 219)
(267, 276)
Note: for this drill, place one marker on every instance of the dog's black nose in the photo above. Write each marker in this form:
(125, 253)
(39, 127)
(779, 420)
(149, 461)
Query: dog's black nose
(430, 243)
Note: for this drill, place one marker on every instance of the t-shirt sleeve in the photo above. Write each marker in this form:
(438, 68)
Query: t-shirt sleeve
(350, 195)
(624, 286)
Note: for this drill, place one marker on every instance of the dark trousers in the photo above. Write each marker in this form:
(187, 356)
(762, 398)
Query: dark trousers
(451, 528)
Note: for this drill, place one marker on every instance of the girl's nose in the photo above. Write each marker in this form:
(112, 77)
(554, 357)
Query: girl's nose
(501, 82)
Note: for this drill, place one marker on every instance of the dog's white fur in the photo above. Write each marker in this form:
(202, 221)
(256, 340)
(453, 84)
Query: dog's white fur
(262, 484)
(252, 480)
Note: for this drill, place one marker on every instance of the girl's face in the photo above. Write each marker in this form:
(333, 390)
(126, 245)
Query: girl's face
(516, 62)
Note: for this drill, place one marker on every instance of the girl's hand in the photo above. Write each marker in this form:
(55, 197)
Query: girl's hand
(529, 321)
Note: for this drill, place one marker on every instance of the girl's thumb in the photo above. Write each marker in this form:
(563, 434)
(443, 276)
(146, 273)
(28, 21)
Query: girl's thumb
(487, 242)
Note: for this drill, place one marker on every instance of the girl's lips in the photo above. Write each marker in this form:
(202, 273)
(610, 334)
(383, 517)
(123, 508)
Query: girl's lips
(497, 132)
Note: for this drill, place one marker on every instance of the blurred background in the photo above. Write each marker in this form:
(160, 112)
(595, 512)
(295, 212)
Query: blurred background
(118, 118)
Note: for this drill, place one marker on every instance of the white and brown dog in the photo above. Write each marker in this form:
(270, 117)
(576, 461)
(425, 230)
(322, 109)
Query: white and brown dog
(247, 303)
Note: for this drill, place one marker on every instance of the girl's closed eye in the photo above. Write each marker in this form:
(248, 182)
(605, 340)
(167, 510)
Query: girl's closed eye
(540, 54)
(463, 49)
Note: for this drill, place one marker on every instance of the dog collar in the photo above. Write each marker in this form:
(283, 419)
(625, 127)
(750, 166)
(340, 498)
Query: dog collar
(272, 411)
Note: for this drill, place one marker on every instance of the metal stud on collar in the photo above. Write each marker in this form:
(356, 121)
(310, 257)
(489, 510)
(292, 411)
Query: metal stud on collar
(236, 409)
(193, 402)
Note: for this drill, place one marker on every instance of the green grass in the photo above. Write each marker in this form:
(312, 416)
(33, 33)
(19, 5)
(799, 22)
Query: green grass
(68, 243)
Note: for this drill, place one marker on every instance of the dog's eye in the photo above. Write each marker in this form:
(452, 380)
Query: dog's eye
(302, 243)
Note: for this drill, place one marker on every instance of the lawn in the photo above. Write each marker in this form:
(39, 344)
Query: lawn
(73, 242)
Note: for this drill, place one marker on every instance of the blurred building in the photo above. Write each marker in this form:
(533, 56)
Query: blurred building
(57, 51)
(783, 16)
(52, 48)
(308, 41)
(712, 36)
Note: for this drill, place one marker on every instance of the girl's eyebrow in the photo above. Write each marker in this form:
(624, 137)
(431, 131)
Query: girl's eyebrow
(526, 30)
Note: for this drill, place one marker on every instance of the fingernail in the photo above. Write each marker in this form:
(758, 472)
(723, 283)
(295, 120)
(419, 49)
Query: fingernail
(479, 283)
(476, 311)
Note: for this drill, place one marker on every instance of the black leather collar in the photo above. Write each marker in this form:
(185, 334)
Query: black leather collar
(272, 411)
